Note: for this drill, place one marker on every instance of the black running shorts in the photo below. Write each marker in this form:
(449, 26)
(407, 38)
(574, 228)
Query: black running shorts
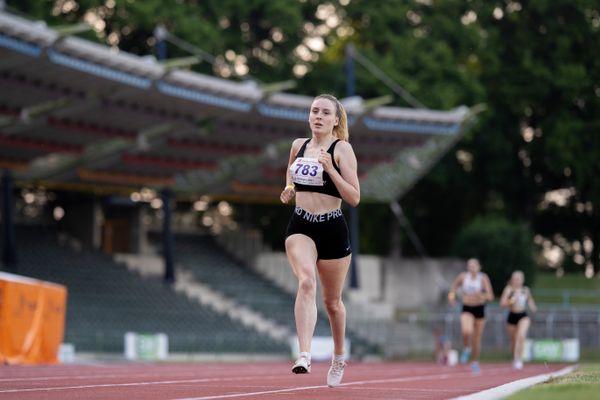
(514, 318)
(477, 311)
(329, 232)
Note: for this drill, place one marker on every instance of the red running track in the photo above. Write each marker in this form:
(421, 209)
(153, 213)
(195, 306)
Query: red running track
(253, 381)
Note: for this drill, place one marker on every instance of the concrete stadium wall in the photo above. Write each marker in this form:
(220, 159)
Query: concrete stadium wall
(416, 283)
(393, 284)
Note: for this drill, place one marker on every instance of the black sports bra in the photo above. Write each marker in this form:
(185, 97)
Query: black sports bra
(328, 186)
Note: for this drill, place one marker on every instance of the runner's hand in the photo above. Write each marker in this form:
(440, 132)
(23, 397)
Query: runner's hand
(325, 160)
(287, 194)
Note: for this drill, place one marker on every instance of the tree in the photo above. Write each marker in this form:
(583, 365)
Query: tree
(533, 65)
(256, 38)
(500, 245)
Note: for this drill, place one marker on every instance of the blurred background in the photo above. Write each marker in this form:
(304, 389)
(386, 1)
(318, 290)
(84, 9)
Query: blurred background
(144, 144)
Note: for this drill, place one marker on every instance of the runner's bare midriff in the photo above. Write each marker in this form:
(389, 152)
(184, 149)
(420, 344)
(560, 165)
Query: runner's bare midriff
(317, 203)
(475, 299)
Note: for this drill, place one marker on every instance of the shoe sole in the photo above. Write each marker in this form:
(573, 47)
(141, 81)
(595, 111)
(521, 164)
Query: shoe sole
(300, 370)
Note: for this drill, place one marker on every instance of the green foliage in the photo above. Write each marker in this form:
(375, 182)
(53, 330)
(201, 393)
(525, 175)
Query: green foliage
(501, 246)
(215, 26)
(546, 280)
(533, 69)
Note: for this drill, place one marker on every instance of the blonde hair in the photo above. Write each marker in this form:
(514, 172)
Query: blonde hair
(341, 129)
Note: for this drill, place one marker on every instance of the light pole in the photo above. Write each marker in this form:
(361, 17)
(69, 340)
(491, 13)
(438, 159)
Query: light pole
(353, 211)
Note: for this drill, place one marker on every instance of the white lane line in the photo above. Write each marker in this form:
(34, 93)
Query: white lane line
(229, 396)
(499, 392)
(301, 388)
(404, 389)
(116, 374)
(111, 385)
(66, 377)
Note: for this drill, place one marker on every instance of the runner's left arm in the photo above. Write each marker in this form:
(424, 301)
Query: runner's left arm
(346, 181)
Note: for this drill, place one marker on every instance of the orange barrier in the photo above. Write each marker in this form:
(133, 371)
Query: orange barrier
(32, 320)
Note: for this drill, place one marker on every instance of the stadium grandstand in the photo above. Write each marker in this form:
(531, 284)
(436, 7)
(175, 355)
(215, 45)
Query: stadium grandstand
(81, 118)
(77, 115)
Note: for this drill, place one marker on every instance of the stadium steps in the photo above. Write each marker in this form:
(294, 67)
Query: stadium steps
(186, 282)
(105, 301)
(213, 266)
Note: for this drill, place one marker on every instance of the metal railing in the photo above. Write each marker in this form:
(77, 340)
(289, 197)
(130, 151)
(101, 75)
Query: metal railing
(418, 332)
(567, 298)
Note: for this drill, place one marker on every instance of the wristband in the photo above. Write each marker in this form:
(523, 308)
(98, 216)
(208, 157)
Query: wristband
(292, 187)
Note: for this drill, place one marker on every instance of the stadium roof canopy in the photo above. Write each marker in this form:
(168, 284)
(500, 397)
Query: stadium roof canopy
(76, 115)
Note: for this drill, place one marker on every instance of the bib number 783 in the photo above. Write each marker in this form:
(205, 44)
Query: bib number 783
(306, 169)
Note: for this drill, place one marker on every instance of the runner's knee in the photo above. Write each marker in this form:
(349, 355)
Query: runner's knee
(307, 285)
(333, 306)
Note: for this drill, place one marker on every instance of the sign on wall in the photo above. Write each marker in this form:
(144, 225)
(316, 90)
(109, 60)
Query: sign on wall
(551, 350)
(146, 346)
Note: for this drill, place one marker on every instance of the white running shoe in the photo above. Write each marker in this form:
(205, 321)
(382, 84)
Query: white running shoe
(517, 364)
(301, 366)
(335, 373)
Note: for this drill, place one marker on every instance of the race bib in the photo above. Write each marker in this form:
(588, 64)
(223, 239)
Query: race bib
(307, 171)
